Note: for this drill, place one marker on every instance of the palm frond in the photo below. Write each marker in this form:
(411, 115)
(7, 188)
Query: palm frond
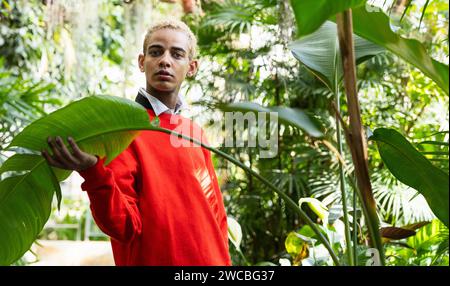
(21, 101)
(397, 203)
(232, 16)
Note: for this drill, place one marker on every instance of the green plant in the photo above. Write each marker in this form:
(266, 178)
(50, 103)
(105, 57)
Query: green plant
(21, 101)
(412, 168)
(366, 25)
(311, 14)
(294, 117)
(429, 246)
(114, 130)
(320, 53)
(22, 215)
(373, 26)
(306, 249)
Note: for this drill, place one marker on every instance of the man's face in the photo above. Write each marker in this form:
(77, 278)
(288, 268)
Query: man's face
(166, 60)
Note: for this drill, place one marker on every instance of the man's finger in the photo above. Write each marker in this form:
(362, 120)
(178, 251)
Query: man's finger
(54, 148)
(65, 152)
(58, 156)
(76, 150)
(50, 160)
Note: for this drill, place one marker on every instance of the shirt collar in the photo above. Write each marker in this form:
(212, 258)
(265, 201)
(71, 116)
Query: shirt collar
(159, 107)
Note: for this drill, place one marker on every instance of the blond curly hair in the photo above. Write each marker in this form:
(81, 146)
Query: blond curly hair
(174, 25)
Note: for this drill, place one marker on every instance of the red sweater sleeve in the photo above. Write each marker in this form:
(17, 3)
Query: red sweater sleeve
(114, 200)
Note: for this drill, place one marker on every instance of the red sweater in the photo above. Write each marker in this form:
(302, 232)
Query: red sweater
(160, 204)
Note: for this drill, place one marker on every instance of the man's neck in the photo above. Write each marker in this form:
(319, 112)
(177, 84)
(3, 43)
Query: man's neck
(169, 98)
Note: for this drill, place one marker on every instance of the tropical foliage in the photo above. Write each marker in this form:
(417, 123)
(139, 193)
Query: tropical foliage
(312, 203)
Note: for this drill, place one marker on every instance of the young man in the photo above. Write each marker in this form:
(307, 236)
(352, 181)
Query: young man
(160, 204)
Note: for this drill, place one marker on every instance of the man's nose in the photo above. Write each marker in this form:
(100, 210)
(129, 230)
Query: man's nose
(165, 60)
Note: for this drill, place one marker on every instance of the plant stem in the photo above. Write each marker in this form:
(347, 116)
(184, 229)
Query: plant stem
(342, 182)
(355, 229)
(285, 197)
(358, 145)
(243, 257)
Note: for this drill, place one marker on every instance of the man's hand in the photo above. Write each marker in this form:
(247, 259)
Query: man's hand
(63, 159)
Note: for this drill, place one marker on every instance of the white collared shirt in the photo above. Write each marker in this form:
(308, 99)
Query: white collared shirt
(159, 107)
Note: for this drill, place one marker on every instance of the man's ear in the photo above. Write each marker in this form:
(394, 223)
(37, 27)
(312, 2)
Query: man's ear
(193, 67)
(141, 62)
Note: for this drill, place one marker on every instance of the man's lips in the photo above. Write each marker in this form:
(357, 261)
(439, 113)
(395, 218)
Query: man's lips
(164, 75)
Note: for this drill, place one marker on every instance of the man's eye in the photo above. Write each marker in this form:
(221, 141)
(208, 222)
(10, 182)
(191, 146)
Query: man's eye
(154, 53)
(177, 55)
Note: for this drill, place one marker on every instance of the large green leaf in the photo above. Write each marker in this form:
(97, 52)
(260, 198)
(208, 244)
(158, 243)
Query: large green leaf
(105, 121)
(25, 205)
(116, 120)
(311, 14)
(411, 168)
(20, 162)
(26, 162)
(320, 53)
(289, 116)
(375, 27)
(100, 125)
